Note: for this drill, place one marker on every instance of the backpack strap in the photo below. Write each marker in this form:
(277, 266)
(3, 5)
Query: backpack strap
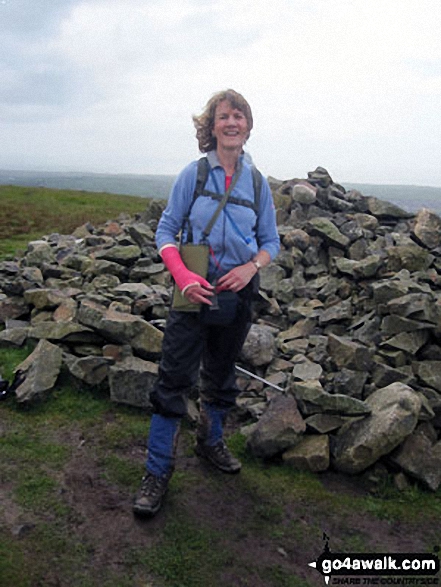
(257, 186)
(203, 169)
(201, 179)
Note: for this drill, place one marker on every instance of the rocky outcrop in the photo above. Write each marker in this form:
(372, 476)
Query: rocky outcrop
(347, 326)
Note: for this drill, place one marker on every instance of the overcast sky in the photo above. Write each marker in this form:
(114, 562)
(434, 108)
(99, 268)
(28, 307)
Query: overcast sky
(110, 85)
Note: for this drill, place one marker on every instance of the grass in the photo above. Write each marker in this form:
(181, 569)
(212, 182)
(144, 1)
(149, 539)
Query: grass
(35, 446)
(28, 213)
(188, 554)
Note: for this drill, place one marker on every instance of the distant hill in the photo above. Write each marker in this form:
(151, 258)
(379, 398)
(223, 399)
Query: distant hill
(409, 197)
(149, 186)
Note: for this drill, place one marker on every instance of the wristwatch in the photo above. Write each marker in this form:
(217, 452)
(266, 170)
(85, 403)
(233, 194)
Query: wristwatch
(257, 264)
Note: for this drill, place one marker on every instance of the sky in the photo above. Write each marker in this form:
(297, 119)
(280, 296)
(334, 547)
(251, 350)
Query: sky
(110, 86)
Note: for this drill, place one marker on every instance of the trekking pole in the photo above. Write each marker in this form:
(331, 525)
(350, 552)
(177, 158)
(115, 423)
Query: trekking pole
(3, 388)
(245, 372)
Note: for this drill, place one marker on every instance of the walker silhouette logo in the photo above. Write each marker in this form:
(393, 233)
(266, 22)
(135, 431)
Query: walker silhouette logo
(395, 569)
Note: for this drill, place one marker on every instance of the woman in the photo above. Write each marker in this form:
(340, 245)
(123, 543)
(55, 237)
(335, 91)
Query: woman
(242, 240)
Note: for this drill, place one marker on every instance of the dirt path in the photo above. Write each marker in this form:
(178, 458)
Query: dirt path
(260, 528)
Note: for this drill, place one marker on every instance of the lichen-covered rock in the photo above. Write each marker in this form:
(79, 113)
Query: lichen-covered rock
(310, 454)
(394, 415)
(280, 427)
(40, 370)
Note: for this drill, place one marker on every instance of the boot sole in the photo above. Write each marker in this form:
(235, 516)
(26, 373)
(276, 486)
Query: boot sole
(201, 454)
(145, 513)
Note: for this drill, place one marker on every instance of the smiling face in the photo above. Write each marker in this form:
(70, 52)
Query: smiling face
(230, 127)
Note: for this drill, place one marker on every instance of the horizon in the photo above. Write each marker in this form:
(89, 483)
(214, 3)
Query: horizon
(170, 175)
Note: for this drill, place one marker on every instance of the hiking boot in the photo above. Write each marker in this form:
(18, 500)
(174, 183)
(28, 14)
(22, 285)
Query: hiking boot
(149, 498)
(219, 456)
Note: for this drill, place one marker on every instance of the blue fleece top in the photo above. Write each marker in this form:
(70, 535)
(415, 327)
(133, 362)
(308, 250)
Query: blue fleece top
(235, 237)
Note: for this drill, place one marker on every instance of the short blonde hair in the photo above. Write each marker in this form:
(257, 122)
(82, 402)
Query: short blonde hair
(204, 123)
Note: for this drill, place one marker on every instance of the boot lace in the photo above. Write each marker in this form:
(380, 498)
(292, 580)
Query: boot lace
(153, 486)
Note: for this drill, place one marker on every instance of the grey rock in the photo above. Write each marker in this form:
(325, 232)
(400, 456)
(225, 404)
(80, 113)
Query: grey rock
(310, 454)
(324, 423)
(411, 257)
(420, 458)
(124, 255)
(123, 327)
(327, 230)
(12, 307)
(313, 399)
(41, 369)
(394, 415)
(337, 312)
(348, 354)
(259, 348)
(305, 370)
(280, 427)
(14, 336)
(348, 382)
(38, 253)
(271, 276)
(131, 381)
(92, 370)
(382, 209)
(63, 331)
(409, 342)
(427, 228)
(429, 372)
(362, 269)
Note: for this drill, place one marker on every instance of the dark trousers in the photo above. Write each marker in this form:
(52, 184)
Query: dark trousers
(190, 346)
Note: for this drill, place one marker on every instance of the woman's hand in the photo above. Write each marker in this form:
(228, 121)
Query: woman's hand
(237, 278)
(197, 293)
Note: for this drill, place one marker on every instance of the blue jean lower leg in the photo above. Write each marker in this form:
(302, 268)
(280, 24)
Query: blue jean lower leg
(211, 423)
(162, 444)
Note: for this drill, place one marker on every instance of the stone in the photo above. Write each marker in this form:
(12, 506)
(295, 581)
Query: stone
(337, 312)
(313, 399)
(63, 331)
(327, 230)
(427, 228)
(305, 370)
(12, 307)
(259, 347)
(270, 277)
(92, 370)
(386, 290)
(40, 369)
(348, 354)
(122, 327)
(280, 427)
(394, 324)
(14, 336)
(382, 209)
(409, 342)
(420, 458)
(411, 257)
(124, 255)
(429, 372)
(304, 193)
(131, 381)
(38, 253)
(394, 416)
(324, 423)
(362, 269)
(310, 454)
(348, 382)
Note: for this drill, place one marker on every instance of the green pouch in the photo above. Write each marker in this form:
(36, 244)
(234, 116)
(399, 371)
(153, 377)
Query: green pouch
(195, 258)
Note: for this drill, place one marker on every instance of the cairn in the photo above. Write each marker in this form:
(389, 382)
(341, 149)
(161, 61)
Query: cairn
(347, 328)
